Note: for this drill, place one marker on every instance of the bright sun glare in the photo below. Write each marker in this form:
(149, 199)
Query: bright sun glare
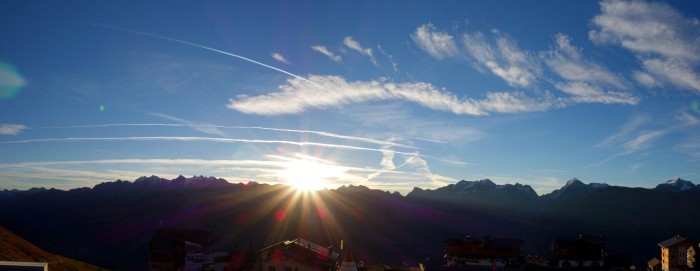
(308, 175)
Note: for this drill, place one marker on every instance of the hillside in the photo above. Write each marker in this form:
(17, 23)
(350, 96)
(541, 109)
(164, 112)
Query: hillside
(14, 248)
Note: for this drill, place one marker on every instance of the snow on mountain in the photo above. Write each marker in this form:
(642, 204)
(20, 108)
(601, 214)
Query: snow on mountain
(676, 185)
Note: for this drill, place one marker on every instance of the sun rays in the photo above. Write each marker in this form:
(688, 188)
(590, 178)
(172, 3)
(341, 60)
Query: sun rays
(307, 173)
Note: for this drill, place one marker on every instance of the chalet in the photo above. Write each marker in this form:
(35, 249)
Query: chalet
(296, 255)
(579, 251)
(11, 265)
(674, 253)
(171, 249)
(693, 257)
(348, 264)
(488, 251)
(654, 264)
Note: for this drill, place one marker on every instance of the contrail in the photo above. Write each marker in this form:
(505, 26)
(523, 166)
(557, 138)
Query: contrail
(320, 133)
(203, 139)
(206, 48)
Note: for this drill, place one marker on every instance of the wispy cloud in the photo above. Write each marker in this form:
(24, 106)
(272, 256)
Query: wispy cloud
(323, 50)
(439, 45)
(567, 61)
(201, 127)
(632, 137)
(201, 139)
(355, 45)
(625, 130)
(690, 148)
(279, 57)
(662, 38)
(212, 127)
(11, 129)
(519, 68)
(334, 91)
(390, 58)
(582, 92)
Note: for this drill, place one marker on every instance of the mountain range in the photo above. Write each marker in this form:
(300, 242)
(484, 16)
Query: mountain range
(111, 223)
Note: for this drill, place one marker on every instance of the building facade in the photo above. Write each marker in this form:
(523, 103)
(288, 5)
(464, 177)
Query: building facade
(296, 255)
(579, 251)
(674, 253)
(488, 251)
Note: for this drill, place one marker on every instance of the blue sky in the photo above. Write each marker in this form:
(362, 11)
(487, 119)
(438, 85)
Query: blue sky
(391, 95)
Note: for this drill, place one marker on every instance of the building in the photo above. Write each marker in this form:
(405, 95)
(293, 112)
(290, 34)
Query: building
(674, 253)
(488, 251)
(173, 250)
(348, 264)
(692, 257)
(296, 255)
(654, 264)
(10, 265)
(579, 251)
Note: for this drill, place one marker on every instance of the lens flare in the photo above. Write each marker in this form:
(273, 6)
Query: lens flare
(10, 81)
(695, 105)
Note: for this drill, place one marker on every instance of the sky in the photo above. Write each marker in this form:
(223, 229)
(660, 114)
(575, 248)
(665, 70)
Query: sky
(387, 94)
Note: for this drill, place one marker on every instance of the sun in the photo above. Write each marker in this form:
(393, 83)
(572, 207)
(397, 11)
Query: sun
(309, 175)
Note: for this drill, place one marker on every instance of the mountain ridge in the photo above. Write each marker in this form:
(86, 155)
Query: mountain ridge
(462, 186)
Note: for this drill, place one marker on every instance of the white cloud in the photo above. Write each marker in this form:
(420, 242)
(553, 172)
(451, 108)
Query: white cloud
(334, 91)
(323, 50)
(353, 44)
(439, 45)
(11, 129)
(674, 71)
(387, 162)
(645, 79)
(585, 93)
(566, 61)
(517, 67)
(666, 42)
(279, 58)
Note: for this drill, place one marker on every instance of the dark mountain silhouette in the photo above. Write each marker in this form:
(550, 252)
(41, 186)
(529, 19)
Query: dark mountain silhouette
(111, 223)
(573, 189)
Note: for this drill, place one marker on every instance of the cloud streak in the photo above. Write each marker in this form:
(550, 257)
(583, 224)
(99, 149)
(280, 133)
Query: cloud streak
(11, 129)
(279, 57)
(517, 67)
(334, 91)
(355, 45)
(324, 51)
(439, 45)
(201, 139)
(213, 129)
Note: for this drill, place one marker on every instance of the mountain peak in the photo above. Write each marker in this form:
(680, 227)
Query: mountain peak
(573, 181)
(676, 185)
